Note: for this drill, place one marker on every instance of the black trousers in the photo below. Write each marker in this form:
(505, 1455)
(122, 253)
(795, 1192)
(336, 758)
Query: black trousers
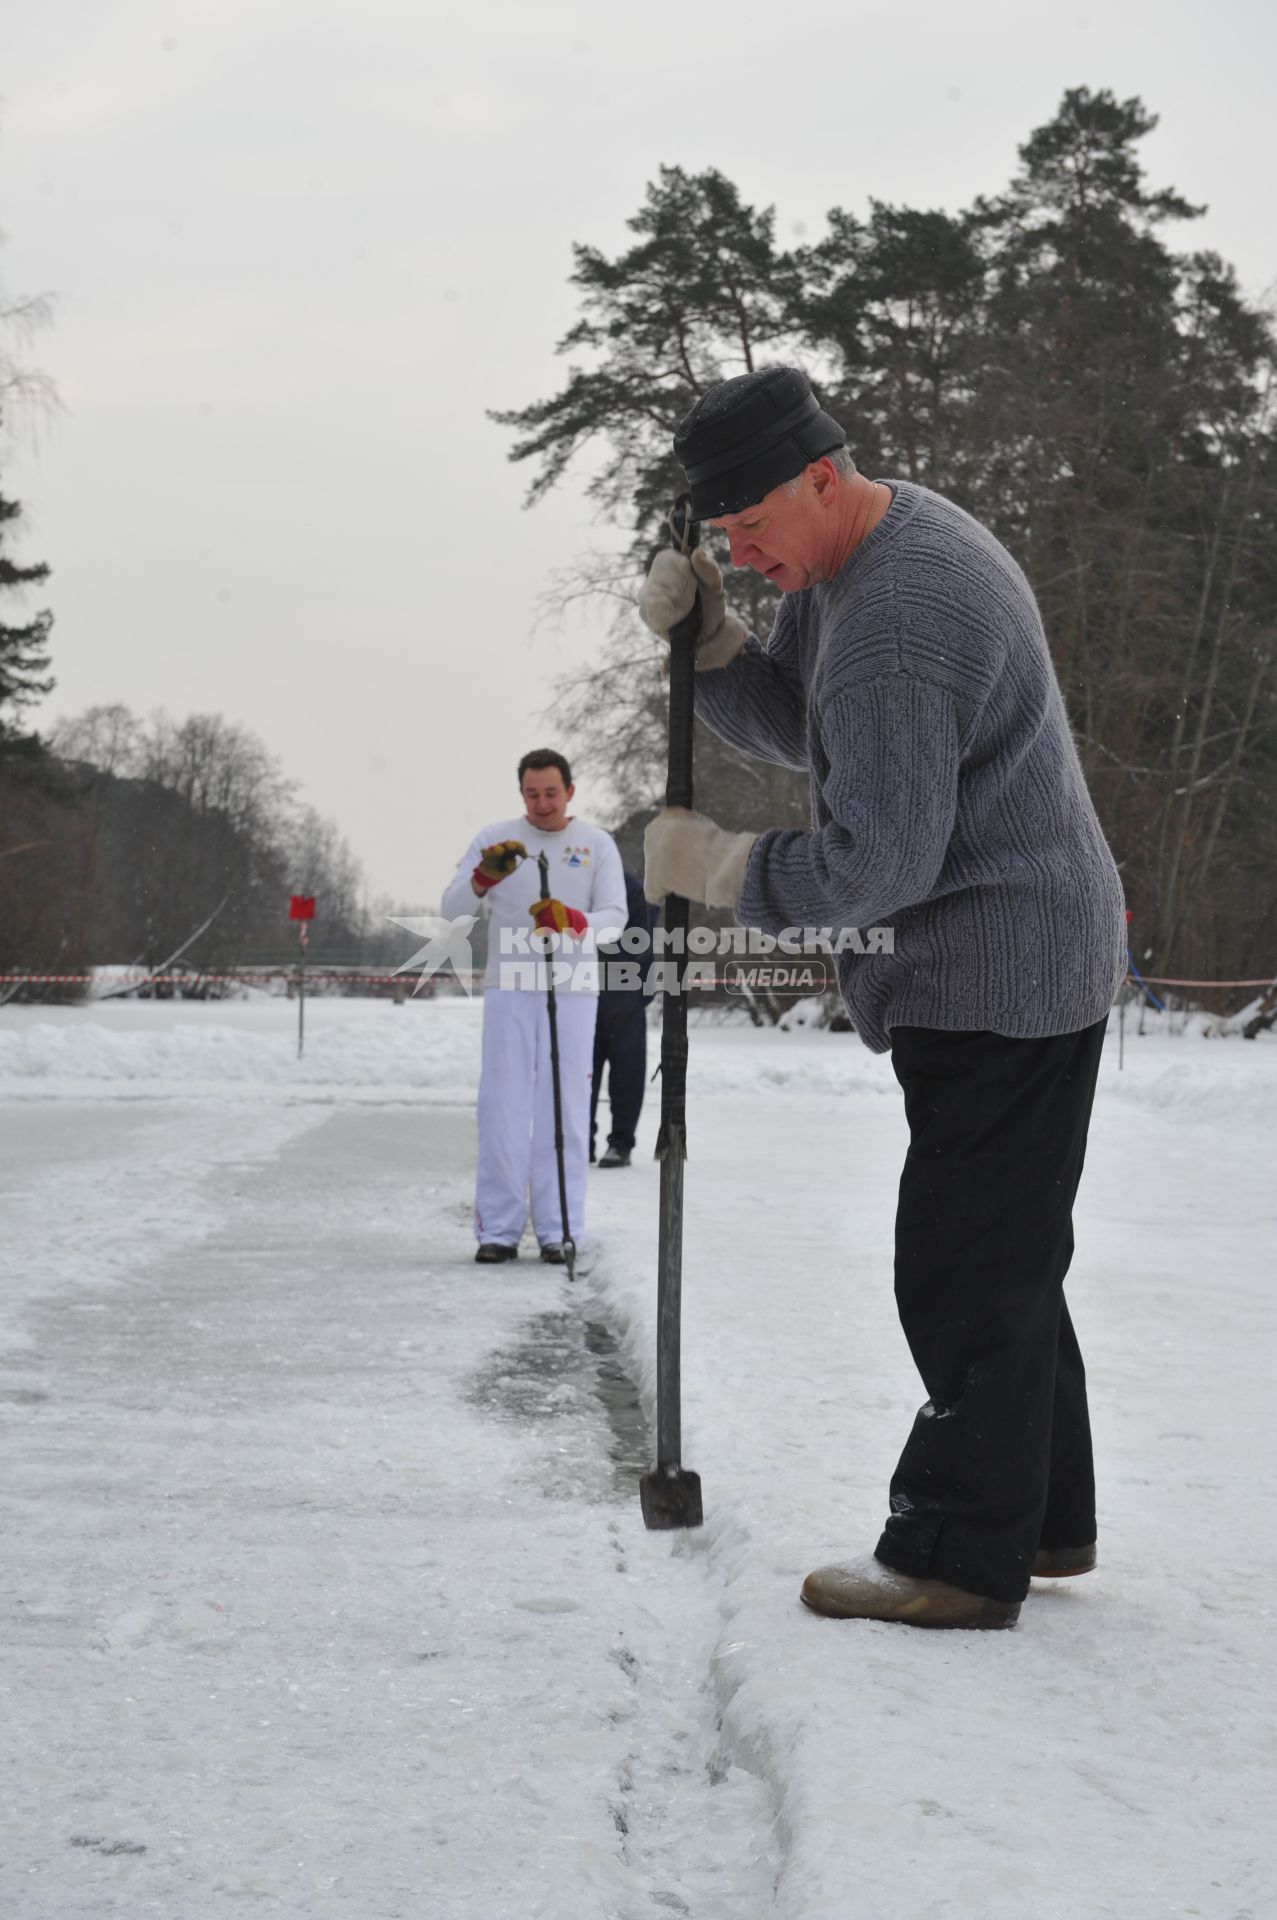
(620, 1043)
(999, 1459)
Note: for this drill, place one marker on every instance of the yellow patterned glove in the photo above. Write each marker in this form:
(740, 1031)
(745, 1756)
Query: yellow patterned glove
(497, 864)
(551, 916)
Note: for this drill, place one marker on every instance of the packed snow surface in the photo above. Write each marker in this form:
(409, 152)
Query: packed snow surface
(325, 1590)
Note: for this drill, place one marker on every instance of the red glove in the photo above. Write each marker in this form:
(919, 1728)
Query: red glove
(497, 864)
(551, 916)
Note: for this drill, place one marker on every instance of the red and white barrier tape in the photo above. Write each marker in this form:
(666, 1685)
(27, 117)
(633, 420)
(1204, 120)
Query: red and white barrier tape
(130, 982)
(1159, 980)
(314, 974)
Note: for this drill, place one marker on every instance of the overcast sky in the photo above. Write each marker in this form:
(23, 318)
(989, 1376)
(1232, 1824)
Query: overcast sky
(298, 248)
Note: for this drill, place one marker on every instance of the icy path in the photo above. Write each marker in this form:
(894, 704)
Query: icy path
(320, 1597)
(320, 1585)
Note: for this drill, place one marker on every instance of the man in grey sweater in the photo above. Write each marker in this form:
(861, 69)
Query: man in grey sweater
(908, 673)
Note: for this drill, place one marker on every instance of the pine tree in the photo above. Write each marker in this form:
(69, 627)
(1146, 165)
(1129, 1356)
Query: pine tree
(1122, 395)
(24, 654)
(702, 294)
(895, 305)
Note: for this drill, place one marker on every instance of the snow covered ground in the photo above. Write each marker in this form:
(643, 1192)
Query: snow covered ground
(325, 1591)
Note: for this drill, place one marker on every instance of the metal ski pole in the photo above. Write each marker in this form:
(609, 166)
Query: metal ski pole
(671, 1494)
(569, 1244)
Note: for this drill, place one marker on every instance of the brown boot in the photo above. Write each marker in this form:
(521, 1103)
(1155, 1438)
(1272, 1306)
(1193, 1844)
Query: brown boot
(868, 1590)
(1059, 1563)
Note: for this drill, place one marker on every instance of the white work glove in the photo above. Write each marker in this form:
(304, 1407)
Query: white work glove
(685, 852)
(668, 592)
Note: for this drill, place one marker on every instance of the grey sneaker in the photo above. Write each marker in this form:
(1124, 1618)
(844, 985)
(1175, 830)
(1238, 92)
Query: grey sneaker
(868, 1590)
(1060, 1563)
(492, 1252)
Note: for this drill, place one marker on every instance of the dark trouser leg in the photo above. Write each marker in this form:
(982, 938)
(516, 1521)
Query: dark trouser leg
(627, 1072)
(600, 1057)
(984, 1237)
(1069, 1519)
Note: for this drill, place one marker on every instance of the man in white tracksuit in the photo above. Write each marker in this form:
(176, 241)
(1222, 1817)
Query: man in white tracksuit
(498, 875)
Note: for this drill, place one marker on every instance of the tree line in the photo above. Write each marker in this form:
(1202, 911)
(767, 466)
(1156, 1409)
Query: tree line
(123, 837)
(1098, 397)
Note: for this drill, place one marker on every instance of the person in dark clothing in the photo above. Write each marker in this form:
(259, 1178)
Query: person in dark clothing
(908, 672)
(620, 1037)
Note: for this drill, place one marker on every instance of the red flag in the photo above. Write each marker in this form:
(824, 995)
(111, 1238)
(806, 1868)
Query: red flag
(301, 906)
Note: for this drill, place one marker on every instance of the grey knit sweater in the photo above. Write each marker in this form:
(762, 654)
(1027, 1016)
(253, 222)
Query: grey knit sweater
(947, 800)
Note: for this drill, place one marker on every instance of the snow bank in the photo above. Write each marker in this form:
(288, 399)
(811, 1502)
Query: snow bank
(423, 1051)
(427, 1052)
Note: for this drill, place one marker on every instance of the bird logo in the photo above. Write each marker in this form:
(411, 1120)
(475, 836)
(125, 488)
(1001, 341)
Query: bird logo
(447, 944)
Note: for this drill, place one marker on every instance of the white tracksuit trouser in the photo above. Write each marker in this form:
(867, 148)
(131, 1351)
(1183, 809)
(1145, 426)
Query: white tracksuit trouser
(516, 1115)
